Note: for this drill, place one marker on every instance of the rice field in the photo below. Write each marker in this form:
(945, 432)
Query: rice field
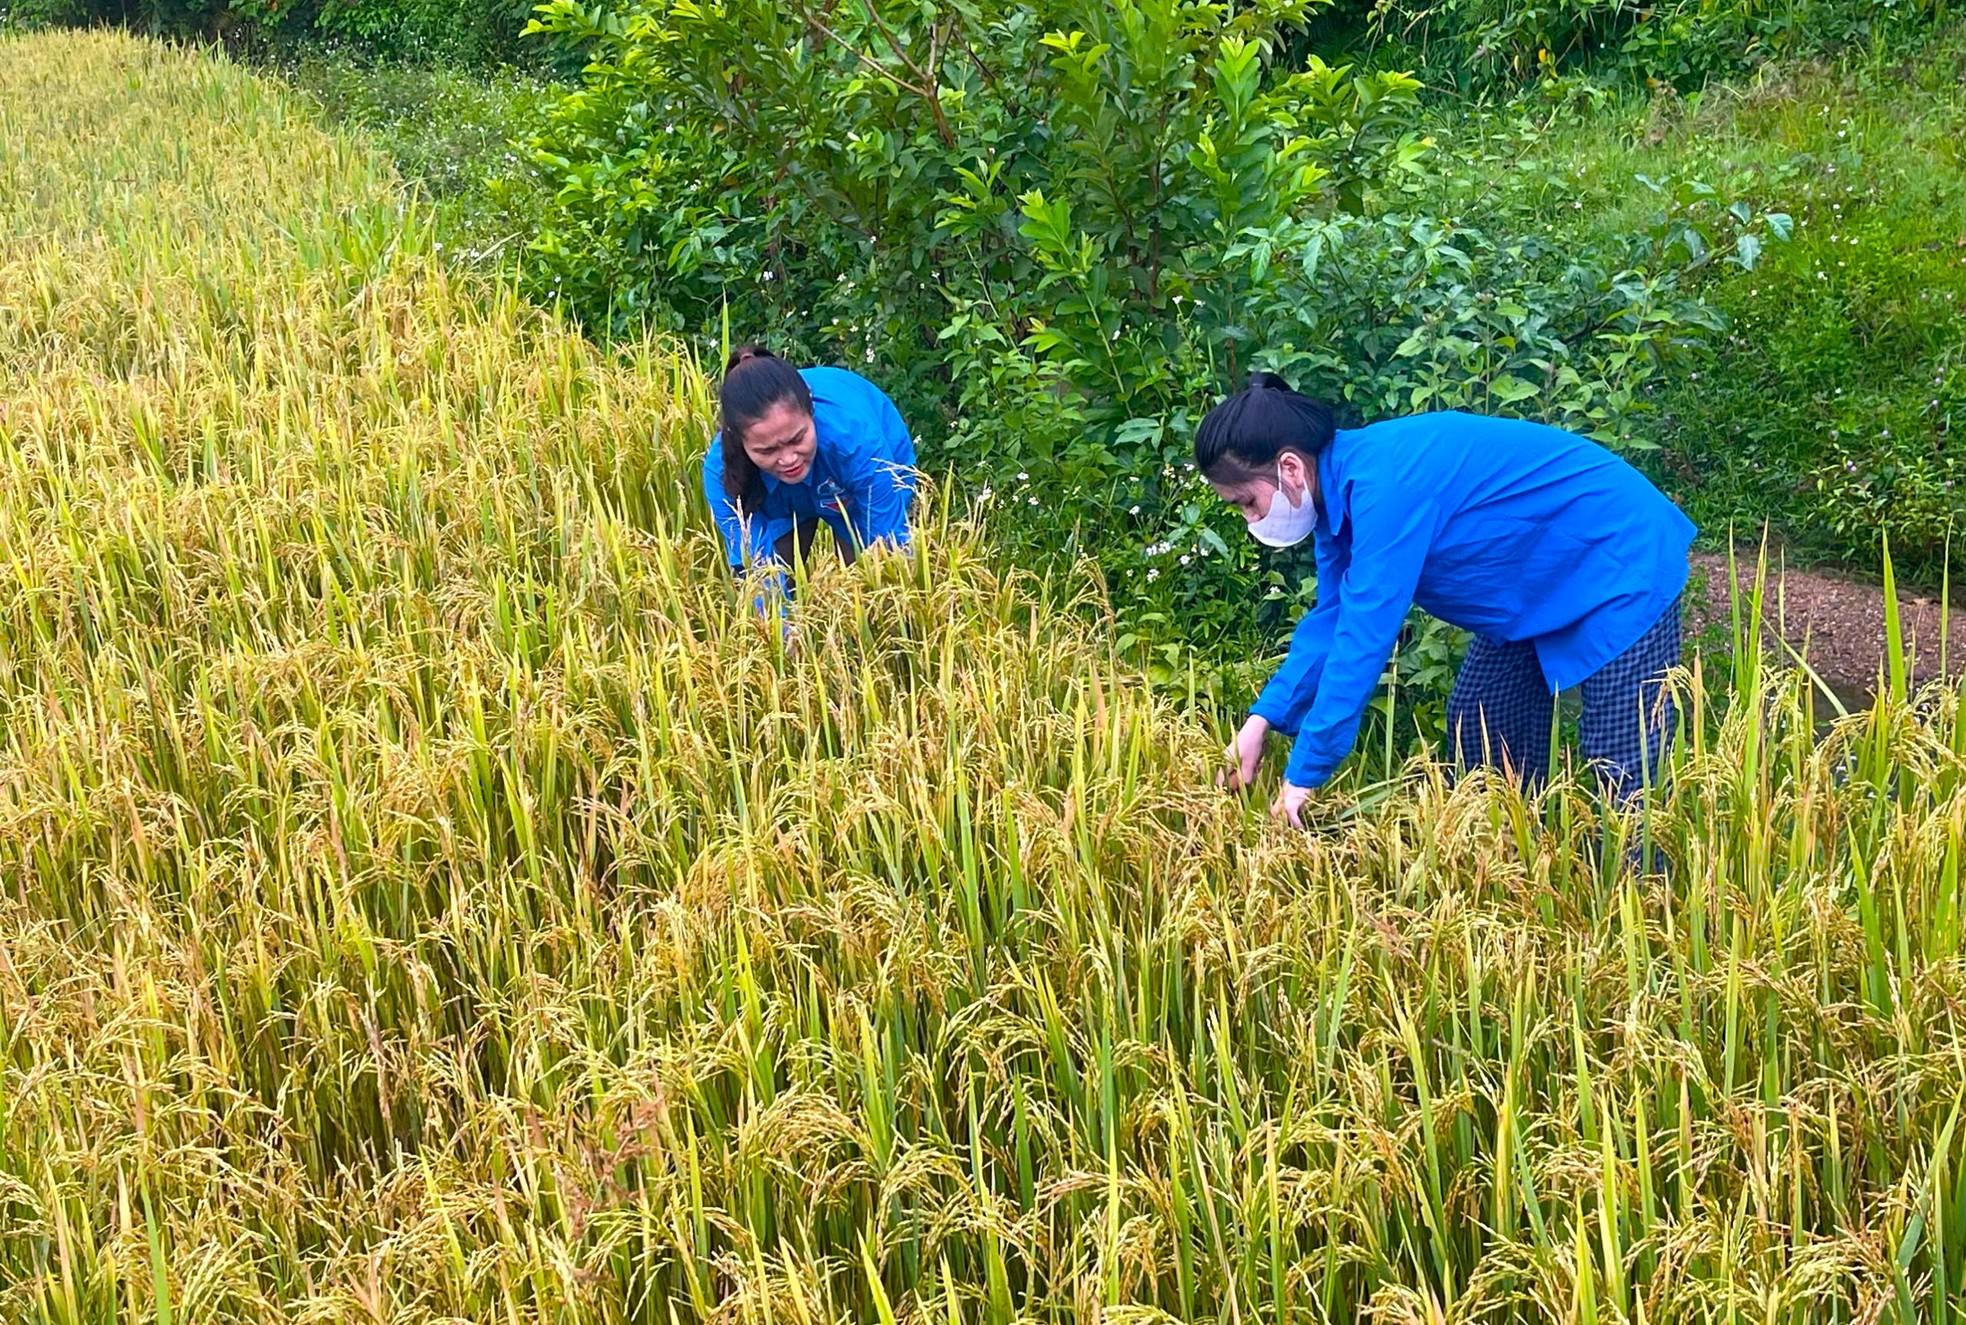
(429, 893)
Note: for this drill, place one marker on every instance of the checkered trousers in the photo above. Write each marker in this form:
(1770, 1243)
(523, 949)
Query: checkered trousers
(1502, 712)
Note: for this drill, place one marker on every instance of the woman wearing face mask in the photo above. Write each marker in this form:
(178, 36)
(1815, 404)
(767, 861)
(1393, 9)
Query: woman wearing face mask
(1565, 563)
(811, 445)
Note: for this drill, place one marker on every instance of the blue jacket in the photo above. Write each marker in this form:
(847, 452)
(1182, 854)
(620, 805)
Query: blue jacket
(861, 481)
(1513, 530)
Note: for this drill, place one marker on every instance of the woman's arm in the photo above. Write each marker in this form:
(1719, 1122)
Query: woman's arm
(745, 540)
(1288, 696)
(1284, 701)
(1391, 536)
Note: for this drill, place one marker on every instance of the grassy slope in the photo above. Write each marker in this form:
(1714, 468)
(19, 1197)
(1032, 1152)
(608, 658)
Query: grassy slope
(1829, 409)
(447, 132)
(426, 891)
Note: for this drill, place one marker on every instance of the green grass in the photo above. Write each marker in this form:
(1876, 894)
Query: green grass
(1832, 404)
(447, 132)
(1828, 409)
(428, 892)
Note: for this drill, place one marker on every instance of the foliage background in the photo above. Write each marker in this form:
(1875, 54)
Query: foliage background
(1062, 230)
(1560, 213)
(465, 32)
(1477, 47)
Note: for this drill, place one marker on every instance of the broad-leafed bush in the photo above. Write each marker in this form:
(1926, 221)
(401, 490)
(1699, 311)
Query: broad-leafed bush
(465, 32)
(1057, 232)
(1486, 45)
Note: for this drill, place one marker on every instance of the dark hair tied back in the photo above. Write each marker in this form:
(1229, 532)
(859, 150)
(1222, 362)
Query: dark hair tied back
(1242, 437)
(755, 382)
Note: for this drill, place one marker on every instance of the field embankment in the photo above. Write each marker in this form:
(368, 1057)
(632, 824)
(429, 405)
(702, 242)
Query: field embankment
(427, 892)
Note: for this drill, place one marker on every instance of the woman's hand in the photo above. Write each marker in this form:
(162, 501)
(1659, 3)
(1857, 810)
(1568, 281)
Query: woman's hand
(1289, 804)
(1245, 754)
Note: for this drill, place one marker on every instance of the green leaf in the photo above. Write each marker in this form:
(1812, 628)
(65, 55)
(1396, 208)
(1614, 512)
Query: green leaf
(1510, 389)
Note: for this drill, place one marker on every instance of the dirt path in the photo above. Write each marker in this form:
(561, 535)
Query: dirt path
(1836, 621)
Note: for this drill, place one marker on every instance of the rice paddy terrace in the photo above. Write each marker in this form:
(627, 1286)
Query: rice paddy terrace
(428, 892)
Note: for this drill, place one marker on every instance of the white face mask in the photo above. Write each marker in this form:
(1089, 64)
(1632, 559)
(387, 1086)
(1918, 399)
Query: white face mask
(1286, 523)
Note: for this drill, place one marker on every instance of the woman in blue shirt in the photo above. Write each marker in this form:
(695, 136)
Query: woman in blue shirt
(818, 444)
(1563, 560)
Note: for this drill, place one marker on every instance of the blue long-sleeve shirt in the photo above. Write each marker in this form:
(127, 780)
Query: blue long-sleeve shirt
(860, 483)
(1514, 530)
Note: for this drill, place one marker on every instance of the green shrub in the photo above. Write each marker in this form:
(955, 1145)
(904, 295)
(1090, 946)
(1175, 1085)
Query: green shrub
(1060, 232)
(45, 13)
(470, 32)
(1482, 45)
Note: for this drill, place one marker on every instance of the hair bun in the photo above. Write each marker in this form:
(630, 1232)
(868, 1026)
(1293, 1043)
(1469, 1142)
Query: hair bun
(1267, 381)
(746, 353)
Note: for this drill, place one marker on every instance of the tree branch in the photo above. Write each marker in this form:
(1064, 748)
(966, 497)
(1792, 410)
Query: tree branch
(924, 86)
(926, 83)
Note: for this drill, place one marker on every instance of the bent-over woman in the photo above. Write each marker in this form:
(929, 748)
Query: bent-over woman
(1564, 561)
(811, 445)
